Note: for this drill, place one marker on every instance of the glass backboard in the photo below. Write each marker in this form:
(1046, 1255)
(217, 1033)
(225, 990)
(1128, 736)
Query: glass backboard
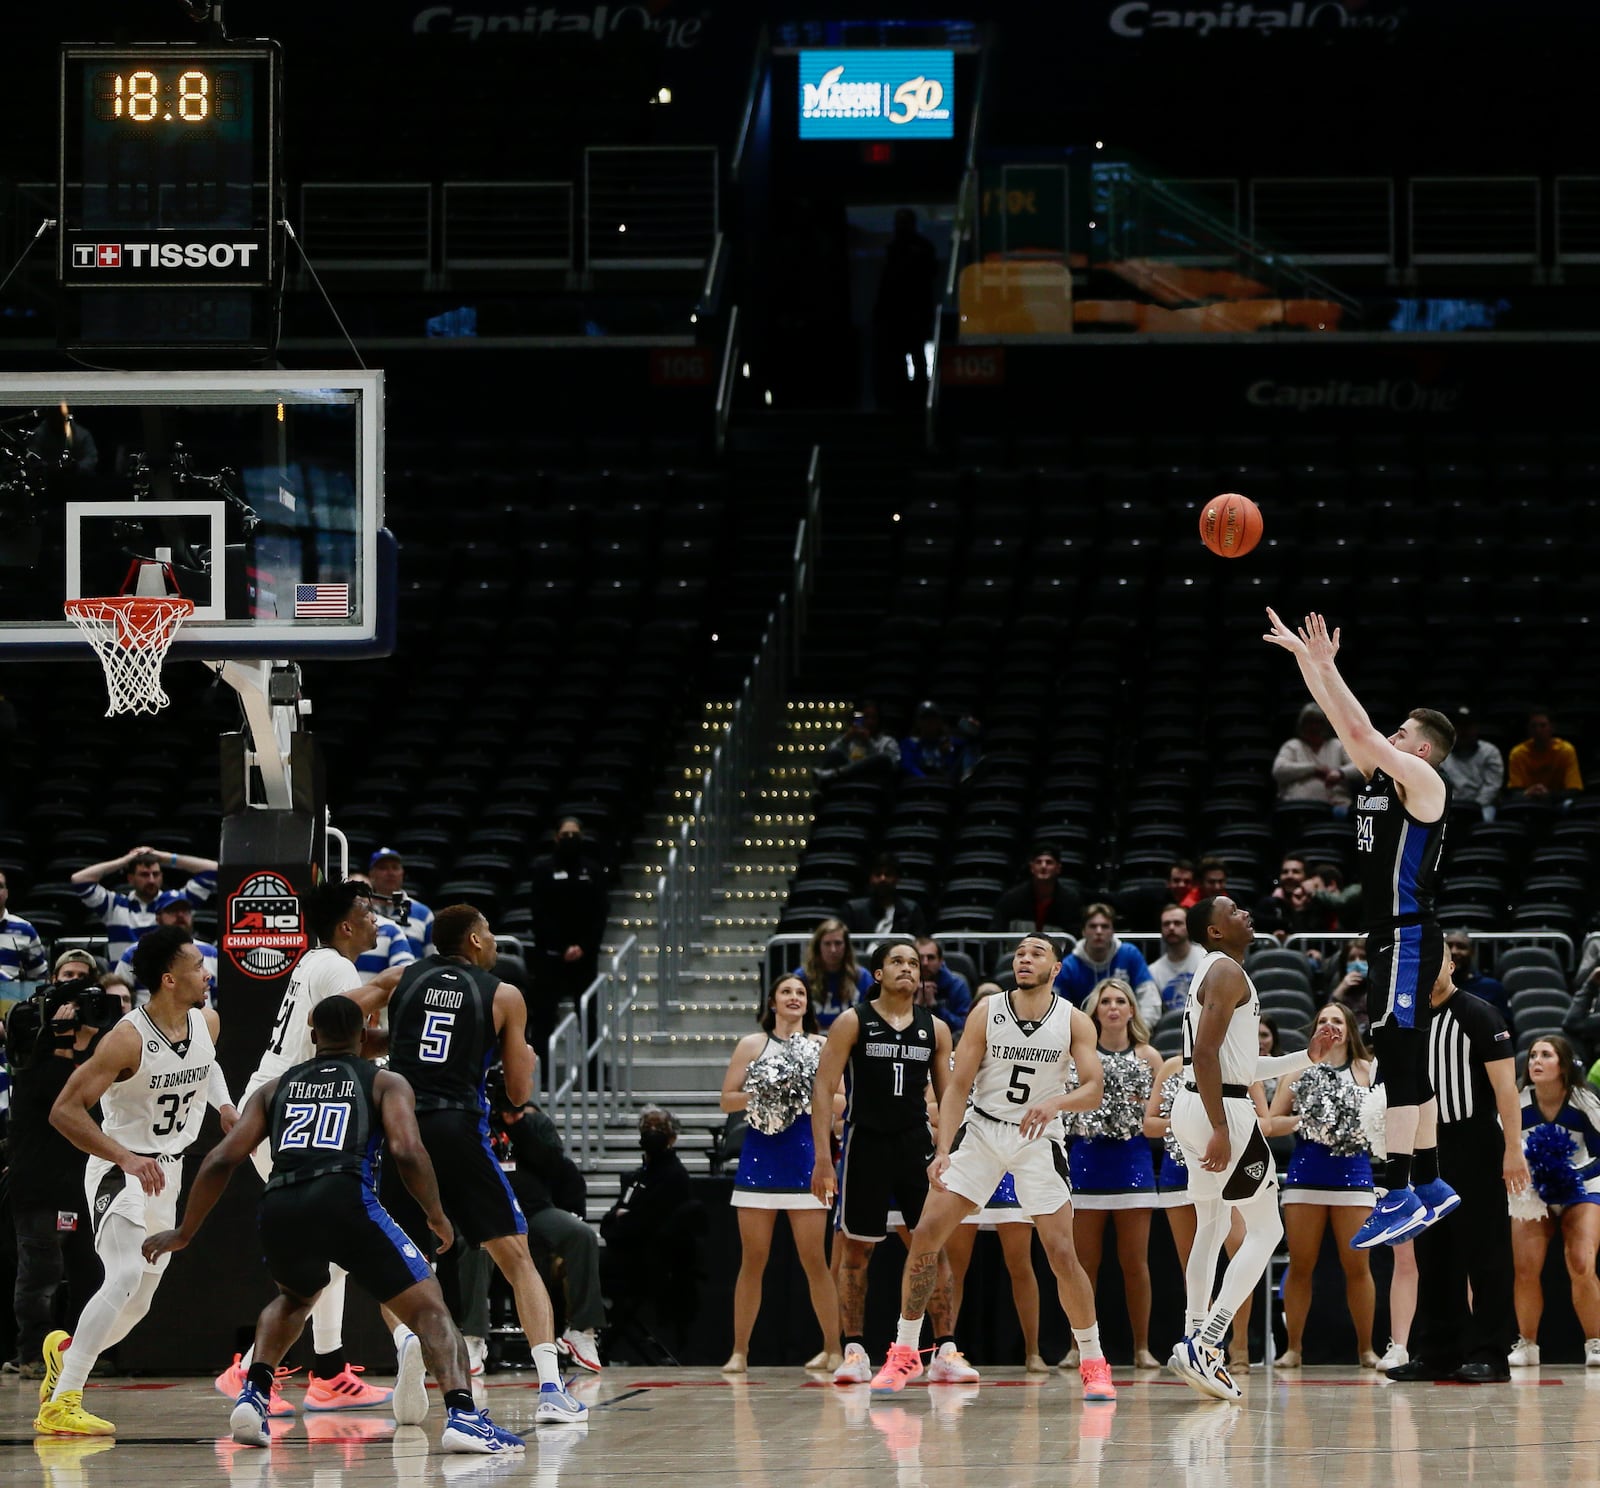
(258, 494)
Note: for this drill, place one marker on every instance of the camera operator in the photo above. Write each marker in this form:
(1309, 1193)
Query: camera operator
(553, 1195)
(48, 1036)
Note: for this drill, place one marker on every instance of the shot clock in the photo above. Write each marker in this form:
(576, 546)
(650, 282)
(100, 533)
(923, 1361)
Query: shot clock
(169, 166)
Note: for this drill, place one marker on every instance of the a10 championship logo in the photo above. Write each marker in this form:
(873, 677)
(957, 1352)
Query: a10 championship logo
(266, 932)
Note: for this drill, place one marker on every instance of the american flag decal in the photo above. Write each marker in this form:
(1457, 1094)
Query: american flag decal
(321, 601)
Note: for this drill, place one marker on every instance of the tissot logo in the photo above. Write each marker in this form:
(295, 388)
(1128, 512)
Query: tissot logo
(163, 255)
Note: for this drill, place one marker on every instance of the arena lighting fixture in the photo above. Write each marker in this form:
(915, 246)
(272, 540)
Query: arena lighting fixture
(1099, 144)
(664, 95)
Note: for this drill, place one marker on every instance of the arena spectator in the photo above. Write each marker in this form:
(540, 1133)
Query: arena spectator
(21, 951)
(882, 910)
(1175, 967)
(552, 1192)
(934, 749)
(1348, 981)
(1181, 887)
(1213, 878)
(831, 973)
(1041, 902)
(1474, 768)
(129, 916)
(392, 949)
(863, 751)
(1543, 766)
(1270, 913)
(386, 872)
(570, 903)
(1100, 955)
(175, 911)
(1582, 1022)
(1312, 766)
(946, 992)
(1467, 978)
(1340, 899)
(647, 1208)
(1301, 914)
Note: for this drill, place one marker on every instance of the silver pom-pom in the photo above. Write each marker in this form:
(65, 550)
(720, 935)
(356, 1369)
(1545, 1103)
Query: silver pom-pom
(1169, 1093)
(1375, 1122)
(1120, 1113)
(779, 1084)
(1329, 1108)
(1070, 1119)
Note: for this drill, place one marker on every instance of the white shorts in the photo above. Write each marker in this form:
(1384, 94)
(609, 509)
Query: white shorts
(110, 1191)
(985, 1150)
(1251, 1169)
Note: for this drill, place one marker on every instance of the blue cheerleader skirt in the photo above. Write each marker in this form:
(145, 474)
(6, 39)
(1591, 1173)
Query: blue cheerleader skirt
(1002, 1208)
(775, 1172)
(1108, 1174)
(1172, 1182)
(1317, 1176)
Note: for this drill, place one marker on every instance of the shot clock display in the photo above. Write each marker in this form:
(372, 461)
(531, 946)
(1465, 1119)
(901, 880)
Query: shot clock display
(169, 159)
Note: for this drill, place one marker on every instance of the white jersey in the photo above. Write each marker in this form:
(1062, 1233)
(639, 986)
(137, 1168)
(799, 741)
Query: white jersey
(1241, 1044)
(157, 1110)
(318, 974)
(1023, 1061)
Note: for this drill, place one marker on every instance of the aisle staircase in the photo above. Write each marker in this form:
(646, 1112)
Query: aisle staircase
(685, 1033)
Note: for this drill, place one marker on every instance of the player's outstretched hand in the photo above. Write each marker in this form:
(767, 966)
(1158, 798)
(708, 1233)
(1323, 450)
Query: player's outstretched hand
(936, 1171)
(822, 1182)
(1320, 645)
(161, 1243)
(1218, 1151)
(148, 1171)
(1321, 1042)
(1281, 635)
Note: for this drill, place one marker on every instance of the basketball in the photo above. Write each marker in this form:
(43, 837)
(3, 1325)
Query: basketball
(1230, 525)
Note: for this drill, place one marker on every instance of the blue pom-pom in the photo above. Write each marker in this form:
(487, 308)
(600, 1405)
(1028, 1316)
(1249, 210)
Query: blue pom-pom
(1550, 1150)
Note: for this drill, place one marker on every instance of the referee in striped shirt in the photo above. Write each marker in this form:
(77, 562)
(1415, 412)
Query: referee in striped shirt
(1471, 1064)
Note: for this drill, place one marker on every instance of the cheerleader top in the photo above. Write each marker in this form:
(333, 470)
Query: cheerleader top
(1580, 1116)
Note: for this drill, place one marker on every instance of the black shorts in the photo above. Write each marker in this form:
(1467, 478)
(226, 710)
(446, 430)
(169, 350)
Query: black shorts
(1402, 962)
(337, 1219)
(472, 1188)
(880, 1169)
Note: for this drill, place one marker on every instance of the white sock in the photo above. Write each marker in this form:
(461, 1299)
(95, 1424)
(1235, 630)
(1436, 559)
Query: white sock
(910, 1333)
(1089, 1342)
(247, 1358)
(548, 1362)
(327, 1314)
(401, 1333)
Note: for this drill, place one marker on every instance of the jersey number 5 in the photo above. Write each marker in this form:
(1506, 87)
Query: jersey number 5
(1019, 1092)
(436, 1031)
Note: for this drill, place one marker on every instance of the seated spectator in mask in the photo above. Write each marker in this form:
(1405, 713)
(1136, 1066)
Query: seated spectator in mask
(935, 750)
(1466, 977)
(881, 910)
(552, 1193)
(1041, 902)
(1174, 969)
(1473, 767)
(943, 991)
(862, 752)
(1543, 767)
(651, 1196)
(1313, 766)
(1100, 954)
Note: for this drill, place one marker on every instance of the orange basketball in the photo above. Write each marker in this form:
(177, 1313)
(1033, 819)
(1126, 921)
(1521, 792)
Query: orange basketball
(1230, 525)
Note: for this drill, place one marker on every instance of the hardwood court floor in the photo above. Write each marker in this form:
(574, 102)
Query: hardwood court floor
(777, 1429)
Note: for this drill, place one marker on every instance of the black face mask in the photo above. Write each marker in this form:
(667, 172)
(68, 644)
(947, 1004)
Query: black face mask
(655, 1140)
(569, 849)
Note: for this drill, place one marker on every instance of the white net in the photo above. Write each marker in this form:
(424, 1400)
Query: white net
(130, 634)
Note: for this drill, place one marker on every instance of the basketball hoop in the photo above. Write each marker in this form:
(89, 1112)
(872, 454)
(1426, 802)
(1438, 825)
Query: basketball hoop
(130, 633)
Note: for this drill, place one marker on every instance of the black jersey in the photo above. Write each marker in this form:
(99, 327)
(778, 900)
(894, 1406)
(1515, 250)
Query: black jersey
(888, 1071)
(1399, 856)
(441, 1032)
(322, 1120)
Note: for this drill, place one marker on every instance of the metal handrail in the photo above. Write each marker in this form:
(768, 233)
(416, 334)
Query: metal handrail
(725, 382)
(741, 141)
(565, 1071)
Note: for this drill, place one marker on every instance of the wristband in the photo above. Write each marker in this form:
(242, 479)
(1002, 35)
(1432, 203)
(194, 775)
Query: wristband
(174, 860)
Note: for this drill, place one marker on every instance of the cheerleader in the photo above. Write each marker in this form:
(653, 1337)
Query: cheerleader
(1561, 1137)
(775, 1170)
(1172, 1190)
(1111, 1166)
(1324, 1187)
